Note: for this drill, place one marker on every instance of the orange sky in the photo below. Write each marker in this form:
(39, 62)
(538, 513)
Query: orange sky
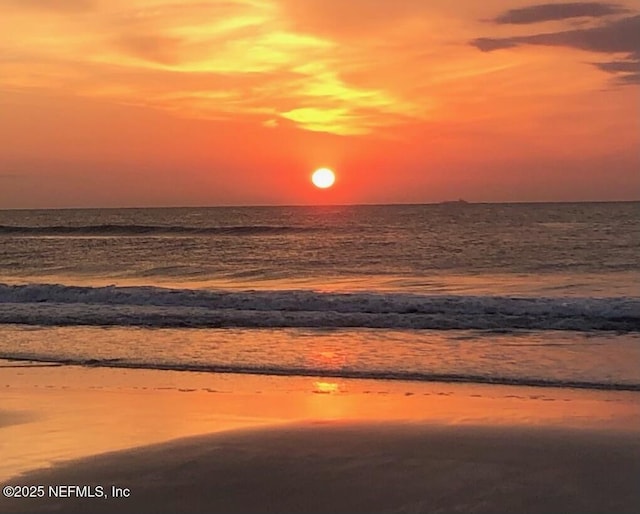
(154, 102)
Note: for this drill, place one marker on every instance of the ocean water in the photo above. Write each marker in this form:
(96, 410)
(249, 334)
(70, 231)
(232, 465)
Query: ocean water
(535, 294)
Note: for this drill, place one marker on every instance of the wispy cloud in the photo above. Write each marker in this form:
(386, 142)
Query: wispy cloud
(558, 11)
(616, 36)
(626, 71)
(621, 35)
(203, 59)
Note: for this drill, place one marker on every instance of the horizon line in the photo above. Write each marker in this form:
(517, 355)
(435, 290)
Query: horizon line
(249, 206)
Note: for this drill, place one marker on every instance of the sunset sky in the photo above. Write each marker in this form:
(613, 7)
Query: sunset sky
(235, 102)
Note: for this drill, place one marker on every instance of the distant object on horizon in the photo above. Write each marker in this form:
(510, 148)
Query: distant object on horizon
(459, 201)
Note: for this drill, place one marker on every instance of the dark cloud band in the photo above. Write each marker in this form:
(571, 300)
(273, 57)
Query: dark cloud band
(616, 36)
(558, 11)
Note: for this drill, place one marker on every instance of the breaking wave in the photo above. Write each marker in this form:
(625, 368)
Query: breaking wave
(58, 305)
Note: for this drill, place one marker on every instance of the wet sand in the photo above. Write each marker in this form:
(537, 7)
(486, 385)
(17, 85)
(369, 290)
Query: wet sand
(298, 445)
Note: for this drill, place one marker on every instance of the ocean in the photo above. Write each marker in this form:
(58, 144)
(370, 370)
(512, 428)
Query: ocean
(529, 294)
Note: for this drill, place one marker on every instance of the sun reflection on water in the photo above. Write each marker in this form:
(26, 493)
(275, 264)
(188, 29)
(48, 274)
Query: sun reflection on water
(321, 387)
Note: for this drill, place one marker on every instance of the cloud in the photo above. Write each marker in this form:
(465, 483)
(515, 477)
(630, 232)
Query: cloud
(629, 78)
(620, 36)
(221, 61)
(628, 70)
(558, 11)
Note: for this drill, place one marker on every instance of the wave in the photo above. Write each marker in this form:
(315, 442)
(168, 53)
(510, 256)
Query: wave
(58, 305)
(141, 230)
(411, 376)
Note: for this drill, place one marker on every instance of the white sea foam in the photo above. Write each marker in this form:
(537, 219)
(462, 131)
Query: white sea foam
(46, 304)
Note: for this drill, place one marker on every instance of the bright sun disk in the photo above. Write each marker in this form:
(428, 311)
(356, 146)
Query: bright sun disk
(323, 178)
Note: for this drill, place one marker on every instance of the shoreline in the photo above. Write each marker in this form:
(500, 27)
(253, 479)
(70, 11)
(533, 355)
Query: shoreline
(329, 374)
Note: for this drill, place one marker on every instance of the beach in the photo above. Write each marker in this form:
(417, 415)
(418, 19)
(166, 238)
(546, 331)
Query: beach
(203, 442)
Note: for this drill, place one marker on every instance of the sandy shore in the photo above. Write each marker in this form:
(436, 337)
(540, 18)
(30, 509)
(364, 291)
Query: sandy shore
(302, 445)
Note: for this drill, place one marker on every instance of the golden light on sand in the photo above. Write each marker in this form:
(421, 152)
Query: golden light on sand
(323, 178)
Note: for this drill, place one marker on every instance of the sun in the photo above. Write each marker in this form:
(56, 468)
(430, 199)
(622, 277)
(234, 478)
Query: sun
(323, 178)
